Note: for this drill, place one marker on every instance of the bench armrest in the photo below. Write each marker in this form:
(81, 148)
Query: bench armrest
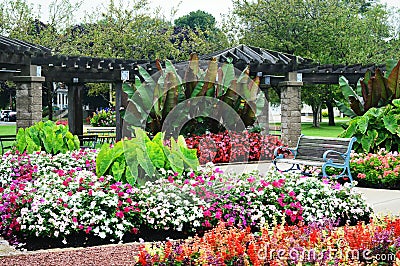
(282, 148)
(326, 154)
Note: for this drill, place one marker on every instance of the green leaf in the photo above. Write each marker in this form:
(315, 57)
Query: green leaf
(131, 177)
(228, 76)
(391, 123)
(70, 144)
(346, 89)
(118, 169)
(176, 162)
(345, 110)
(21, 140)
(351, 129)
(363, 124)
(103, 160)
(368, 140)
(394, 81)
(128, 89)
(156, 154)
(396, 103)
(145, 162)
(146, 76)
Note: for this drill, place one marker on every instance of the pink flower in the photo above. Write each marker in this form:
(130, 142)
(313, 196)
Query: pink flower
(218, 215)
(88, 229)
(74, 219)
(251, 179)
(207, 213)
(119, 214)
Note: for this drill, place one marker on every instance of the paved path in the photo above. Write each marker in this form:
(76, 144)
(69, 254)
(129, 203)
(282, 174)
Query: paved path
(383, 201)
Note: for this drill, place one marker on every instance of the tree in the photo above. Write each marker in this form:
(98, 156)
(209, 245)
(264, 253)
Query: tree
(197, 20)
(331, 31)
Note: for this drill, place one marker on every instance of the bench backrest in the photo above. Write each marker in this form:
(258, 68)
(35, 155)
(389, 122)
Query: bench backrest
(312, 148)
(88, 141)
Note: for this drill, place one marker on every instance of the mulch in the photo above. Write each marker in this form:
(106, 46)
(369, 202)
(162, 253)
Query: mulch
(118, 254)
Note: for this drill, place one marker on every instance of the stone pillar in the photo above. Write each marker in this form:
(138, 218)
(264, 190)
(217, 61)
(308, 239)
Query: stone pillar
(75, 109)
(291, 109)
(29, 100)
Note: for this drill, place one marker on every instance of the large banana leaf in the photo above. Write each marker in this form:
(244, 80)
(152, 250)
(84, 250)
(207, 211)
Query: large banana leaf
(394, 81)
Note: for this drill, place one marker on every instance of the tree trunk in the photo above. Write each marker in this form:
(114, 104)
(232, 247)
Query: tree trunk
(331, 114)
(316, 110)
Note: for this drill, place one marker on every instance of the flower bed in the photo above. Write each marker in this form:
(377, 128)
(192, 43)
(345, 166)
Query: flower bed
(377, 243)
(60, 197)
(381, 170)
(103, 118)
(228, 147)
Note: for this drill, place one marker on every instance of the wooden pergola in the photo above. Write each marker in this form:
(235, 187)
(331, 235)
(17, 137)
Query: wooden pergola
(28, 64)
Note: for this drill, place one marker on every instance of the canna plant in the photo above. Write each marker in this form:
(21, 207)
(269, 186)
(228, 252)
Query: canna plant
(372, 91)
(153, 97)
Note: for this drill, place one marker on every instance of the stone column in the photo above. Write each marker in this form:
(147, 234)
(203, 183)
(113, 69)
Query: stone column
(29, 100)
(291, 109)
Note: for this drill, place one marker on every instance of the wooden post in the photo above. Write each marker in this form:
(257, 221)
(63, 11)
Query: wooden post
(75, 109)
(118, 109)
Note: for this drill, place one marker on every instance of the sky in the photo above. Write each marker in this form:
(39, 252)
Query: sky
(214, 7)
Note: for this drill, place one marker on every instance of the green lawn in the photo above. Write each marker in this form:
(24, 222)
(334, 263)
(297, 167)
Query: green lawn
(323, 131)
(7, 130)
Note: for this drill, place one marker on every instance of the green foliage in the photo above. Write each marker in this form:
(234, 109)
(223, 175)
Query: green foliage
(46, 136)
(152, 100)
(138, 159)
(377, 128)
(196, 20)
(103, 118)
(372, 91)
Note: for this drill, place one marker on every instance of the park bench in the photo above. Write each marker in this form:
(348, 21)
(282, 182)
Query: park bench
(7, 142)
(317, 152)
(88, 141)
(104, 135)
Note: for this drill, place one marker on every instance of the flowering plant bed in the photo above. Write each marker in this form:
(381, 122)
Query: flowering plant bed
(377, 243)
(231, 146)
(372, 170)
(380, 170)
(60, 196)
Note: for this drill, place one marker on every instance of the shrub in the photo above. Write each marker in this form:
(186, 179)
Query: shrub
(103, 118)
(47, 136)
(233, 146)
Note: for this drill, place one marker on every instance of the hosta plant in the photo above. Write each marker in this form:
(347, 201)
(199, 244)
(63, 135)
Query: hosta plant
(46, 136)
